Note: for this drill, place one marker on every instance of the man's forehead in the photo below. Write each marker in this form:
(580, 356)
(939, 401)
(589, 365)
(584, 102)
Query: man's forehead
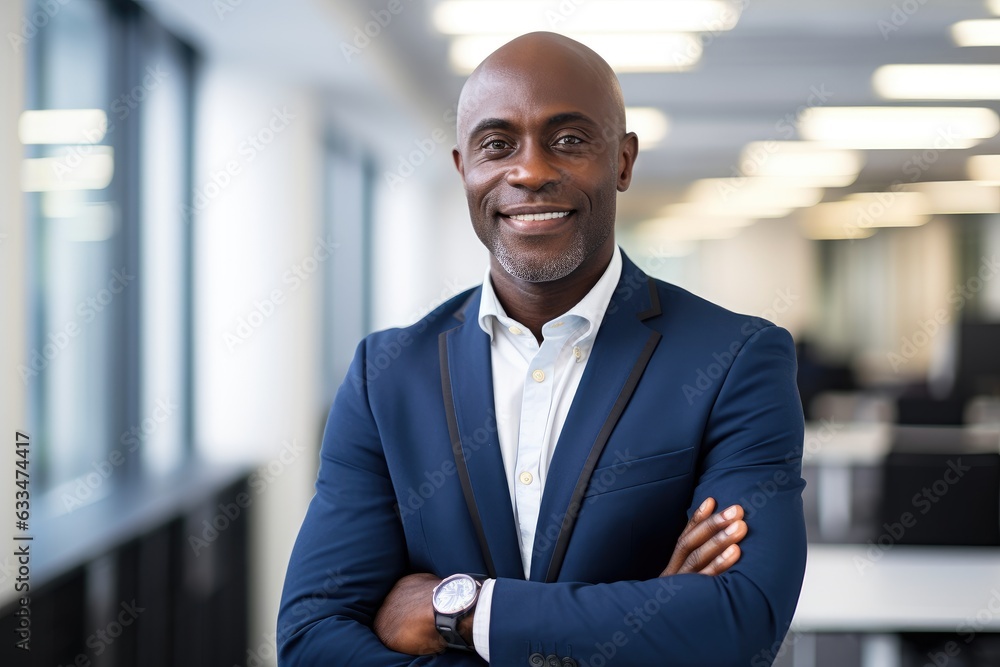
(533, 96)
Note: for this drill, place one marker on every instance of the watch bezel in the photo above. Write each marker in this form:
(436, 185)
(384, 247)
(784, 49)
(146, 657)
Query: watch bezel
(477, 585)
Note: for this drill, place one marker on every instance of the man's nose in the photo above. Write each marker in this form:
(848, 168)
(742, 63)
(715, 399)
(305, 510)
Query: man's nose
(532, 168)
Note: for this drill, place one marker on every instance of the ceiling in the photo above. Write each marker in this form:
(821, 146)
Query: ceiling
(748, 82)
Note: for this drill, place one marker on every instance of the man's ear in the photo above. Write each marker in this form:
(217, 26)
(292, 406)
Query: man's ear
(457, 157)
(627, 152)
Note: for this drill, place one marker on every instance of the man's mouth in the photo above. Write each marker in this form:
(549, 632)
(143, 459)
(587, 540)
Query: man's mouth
(532, 217)
(536, 221)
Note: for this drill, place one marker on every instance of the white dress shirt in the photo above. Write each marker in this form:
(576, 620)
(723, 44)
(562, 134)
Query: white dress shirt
(533, 388)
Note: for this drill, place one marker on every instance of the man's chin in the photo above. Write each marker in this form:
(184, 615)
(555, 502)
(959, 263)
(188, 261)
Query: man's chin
(537, 267)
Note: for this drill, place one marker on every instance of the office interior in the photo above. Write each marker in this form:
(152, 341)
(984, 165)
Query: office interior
(206, 205)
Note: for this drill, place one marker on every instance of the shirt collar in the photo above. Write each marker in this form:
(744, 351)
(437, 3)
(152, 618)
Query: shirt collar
(591, 307)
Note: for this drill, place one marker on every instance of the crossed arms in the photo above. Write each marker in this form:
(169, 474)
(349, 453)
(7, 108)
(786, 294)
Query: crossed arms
(351, 592)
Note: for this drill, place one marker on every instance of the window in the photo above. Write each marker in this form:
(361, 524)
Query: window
(107, 138)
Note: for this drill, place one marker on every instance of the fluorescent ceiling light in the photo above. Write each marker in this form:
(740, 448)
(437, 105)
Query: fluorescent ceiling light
(483, 17)
(752, 195)
(994, 6)
(720, 209)
(649, 123)
(829, 227)
(861, 214)
(887, 209)
(978, 32)
(671, 229)
(62, 126)
(71, 170)
(803, 163)
(94, 221)
(648, 52)
(958, 197)
(898, 127)
(984, 169)
(937, 82)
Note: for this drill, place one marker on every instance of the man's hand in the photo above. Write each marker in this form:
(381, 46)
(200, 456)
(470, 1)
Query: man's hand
(708, 544)
(405, 621)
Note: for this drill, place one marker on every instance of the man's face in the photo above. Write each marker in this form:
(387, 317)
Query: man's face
(542, 155)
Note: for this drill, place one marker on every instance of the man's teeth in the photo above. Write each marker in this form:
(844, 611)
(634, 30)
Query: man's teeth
(540, 216)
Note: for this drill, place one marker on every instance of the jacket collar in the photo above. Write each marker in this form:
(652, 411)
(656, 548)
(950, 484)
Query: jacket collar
(621, 352)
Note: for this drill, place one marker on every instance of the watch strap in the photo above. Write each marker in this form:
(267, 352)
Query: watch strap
(447, 624)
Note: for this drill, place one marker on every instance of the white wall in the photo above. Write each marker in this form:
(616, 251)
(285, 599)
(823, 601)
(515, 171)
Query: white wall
(257, 390)
(424, 248)
(767, 270)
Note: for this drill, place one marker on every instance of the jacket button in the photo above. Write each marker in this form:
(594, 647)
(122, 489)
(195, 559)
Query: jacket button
(536, 660)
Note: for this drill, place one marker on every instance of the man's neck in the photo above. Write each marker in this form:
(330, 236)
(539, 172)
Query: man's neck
(534, 304)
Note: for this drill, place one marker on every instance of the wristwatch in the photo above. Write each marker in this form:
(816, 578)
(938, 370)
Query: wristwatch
(454, 599)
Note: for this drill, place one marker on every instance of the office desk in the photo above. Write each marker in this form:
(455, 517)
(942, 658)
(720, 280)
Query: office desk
(878, 592)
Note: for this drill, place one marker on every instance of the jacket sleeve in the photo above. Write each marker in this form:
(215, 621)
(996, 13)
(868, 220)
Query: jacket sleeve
(350, 550)
(752, 450)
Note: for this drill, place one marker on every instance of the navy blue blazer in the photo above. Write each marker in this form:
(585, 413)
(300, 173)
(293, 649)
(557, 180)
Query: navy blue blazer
(681, 400)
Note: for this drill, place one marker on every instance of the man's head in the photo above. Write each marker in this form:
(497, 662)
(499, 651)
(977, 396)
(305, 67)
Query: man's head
(541, 133)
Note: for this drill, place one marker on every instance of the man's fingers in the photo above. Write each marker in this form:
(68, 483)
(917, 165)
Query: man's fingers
(703, 512)
(681, 551)
(700, 529)
(723, 561)
(706, 556)
(700, 534)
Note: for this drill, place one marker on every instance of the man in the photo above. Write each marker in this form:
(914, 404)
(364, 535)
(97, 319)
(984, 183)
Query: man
(535, 432)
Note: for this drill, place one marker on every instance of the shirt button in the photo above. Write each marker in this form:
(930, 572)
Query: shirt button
(525, 478)
(538, 375)
(516, 330)
(578, 353)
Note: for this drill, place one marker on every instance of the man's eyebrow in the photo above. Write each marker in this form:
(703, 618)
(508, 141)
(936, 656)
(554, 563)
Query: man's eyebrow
(569, 117)
(490, 124)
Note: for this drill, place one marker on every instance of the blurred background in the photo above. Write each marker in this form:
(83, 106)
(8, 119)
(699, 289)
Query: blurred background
(206, 204)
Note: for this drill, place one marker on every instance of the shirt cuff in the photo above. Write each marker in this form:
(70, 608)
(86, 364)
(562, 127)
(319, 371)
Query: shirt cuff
(481, 621)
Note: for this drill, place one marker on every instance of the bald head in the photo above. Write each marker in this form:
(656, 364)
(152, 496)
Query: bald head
(544, 60)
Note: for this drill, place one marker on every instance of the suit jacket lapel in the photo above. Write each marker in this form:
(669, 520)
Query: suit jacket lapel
(621, 351)
(467, 384)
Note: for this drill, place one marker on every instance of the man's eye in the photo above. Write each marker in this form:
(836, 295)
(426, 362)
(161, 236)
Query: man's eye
(569, 140)
(495, 145)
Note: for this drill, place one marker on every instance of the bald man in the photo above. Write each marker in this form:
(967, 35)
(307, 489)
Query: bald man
(521, 477)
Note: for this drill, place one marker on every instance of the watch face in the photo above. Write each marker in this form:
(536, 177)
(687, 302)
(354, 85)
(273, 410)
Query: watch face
(455, 594)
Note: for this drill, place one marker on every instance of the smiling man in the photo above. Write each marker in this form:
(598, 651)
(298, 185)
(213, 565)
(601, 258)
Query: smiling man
(516, 486)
